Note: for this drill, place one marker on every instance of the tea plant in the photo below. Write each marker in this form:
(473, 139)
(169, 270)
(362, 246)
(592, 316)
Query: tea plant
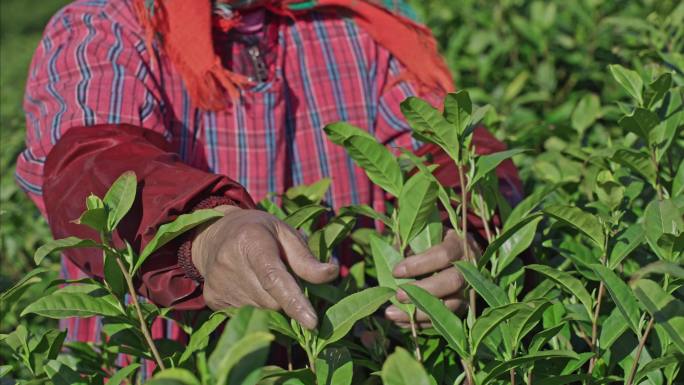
(606, 305)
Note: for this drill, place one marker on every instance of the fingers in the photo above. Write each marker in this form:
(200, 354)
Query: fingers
(434, 259)
(276, 280)
(300, 259)
(419, 325)
(440, 285)
(393, 313)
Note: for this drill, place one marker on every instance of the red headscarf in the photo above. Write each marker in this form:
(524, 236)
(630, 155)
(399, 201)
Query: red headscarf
(184, 28)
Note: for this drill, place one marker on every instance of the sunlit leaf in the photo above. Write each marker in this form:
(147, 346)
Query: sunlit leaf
(490, 292)
(401, 368)
(334, 367)
(377, 161)
(119, 199)
(567, 282)
(622, 296)
(416, 203)
(580, 220)
(62, 244)
(629, 80)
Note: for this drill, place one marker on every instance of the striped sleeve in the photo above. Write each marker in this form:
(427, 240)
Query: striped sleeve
(90, 68)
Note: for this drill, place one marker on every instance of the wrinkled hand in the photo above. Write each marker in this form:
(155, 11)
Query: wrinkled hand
(444, 281)
(239, 257)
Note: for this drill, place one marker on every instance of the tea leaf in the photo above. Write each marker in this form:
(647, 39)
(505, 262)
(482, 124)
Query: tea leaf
(612, 328)
(340, 131)
(169, 231)
(64, 305)
(678, 181)
(566, 282)
(122, 374)
(340, 317)
(661, 217)
(448, 325)
(638, 161)
(176, 375)
(621, 295)
(379, 164)
(61, 374)
(334, 367)
(416, 202)
(199, 339)
(457, 110)
(629, 80)
(526, 319)
(401, 368)
(486, 163)
(250, 351)
(641, 122)
(657, 363)
(62, 244)
(303, 215)
(580, 220)
(113, 275)
(119, 199)
(624, 244)
(95, 218)
(367, 211)
(505, 366)
(490, 292)
(246, 321)
(512, 230)
(586, 112)
(656, 91)
(666, 309)
(429, 125)
(519, 241)
(10, 295)
(489, 320)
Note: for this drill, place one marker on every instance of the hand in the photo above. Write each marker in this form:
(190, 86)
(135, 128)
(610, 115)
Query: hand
(446, 283)
(242, 258)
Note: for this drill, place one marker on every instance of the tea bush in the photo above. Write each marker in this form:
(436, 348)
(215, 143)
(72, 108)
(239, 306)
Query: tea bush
(589, 97)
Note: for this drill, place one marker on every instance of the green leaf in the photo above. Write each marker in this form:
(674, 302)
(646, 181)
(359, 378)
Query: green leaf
(488, 321)
(429, 125)
(199, 339)
(61, 374)
(385, 257)
(367, 211)
(244, 352)
(664, 308)
(457, 110)
(544, 336)
(656, 364)
(622, 296)
(334, 367)
(113, 275)
(661, 217)
(123, 374)
(629, 80)
(64, 305)
(9, 296)
(377, 161)
(608, 190)
(678, 181)
(340, 317)
(638, 161)
(324, 240)
(486, 163)
(624, 244)
(586, 112)
(169, 231)
(246, 320)
(119, 199)
(525, 207)
(177, 375)
(490, 292)
(612, 328)
(431, 235)
(94, 202)
(509, 232)
(401, 368)
(657, 90)
(505, 366)
(659, 267)
(303, 215)
(519, 241)
(62, 244)
(526, 318)
(447, 324)
(641, 122)
(580, 220)
(314, 192)
(94, 218)
(341, 131)
(416, 203)
(566, 282)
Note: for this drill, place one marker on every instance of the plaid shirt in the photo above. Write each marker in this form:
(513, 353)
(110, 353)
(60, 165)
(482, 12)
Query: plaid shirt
(92, 67)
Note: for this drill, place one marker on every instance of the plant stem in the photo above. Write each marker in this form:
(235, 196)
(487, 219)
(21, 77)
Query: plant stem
(594, 326)
(640, 348)
(414, 336)
(485, 220)
(468, 371)
(512, 372)
(143, 324)
(464, 232)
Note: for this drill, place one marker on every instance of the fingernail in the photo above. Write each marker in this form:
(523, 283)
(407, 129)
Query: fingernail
(392, 312)
(309, 320)
(400, 271)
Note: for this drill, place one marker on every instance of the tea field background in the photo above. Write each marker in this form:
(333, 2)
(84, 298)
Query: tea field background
(540, 64)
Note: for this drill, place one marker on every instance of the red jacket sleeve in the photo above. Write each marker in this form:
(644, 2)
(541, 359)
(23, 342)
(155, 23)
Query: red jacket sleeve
(88, 159)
